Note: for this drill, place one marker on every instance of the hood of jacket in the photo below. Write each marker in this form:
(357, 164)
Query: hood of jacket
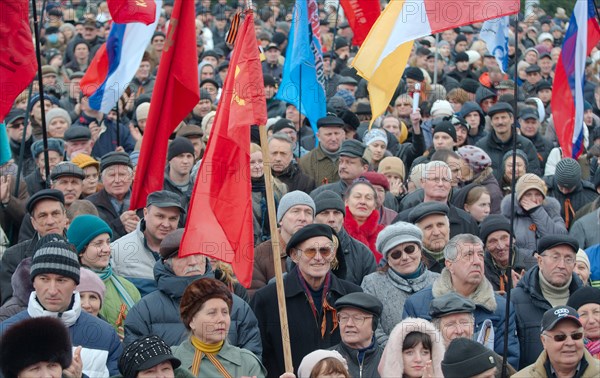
(483, 93)
(471, 106)
(483, 296)
(391, 364)
(173, 285)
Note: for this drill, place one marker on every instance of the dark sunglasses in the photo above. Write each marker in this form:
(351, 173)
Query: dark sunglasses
(562, 337)
(409, 250)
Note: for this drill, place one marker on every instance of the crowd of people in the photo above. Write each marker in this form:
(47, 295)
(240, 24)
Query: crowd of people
(399, 241)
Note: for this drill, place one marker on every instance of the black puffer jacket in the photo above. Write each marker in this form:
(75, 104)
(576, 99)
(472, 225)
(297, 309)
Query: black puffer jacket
(158, 314)
(530, 306)
(358, 258)
(370, 361)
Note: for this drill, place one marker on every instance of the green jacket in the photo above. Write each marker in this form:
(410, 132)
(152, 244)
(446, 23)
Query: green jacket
(319, 167)
(179, 373)
(238, 362)
(111, 306)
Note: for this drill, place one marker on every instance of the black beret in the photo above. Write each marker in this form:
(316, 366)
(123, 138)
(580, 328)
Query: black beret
(310, 231)
(426, 209)
(352, 148)
(66, 169)
(469, 85)
(74, 133)
(549, 241)
(493, 223)
(451, 303)
(170, 244)
(115, 158)
(584, 295)
(362, 301)
(543, 84)
(414, 73)
(51, 194)
(533, 68)
(500, 107)
(330, 121)
(281, 124)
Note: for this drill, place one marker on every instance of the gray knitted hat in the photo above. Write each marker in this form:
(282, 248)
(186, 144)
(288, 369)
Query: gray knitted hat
(292, 199)
(56, 257)
(568, 173)
(398, 233)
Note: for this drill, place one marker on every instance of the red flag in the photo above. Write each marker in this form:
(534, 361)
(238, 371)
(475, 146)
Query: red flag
(175, 94)
(361, 15)
(126, 11)
(219, 222)
(19, 64)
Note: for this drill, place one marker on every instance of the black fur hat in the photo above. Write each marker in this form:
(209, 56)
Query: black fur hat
(34, 340)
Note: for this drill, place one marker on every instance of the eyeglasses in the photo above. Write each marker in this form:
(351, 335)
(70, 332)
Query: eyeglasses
(439, 179)
(409, 250)
(562, 337)
(324, 251)
(569, 260)
(358, 320)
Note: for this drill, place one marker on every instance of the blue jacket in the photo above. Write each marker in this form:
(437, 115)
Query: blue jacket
(593, 254)
(158, 314)
(489, 305)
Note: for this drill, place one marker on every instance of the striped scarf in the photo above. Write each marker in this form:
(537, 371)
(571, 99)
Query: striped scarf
(210, 351)
(107, 274)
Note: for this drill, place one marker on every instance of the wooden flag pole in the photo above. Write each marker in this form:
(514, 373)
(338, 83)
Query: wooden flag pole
(285, 334)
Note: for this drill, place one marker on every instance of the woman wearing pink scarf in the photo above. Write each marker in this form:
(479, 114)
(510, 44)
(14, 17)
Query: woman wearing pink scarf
(586, 301)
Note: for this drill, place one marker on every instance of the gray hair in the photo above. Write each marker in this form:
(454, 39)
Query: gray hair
(129, 170)
(452, 248)
(435, 166)
(281, 137)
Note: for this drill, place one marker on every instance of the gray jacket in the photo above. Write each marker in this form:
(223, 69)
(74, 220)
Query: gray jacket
(393, 290)
(585, 230)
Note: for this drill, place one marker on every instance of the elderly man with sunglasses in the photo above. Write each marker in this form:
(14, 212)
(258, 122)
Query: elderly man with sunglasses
(544, 286)
(564, 353)
(311, 291)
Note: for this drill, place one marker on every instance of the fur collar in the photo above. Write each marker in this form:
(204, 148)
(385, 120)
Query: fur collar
(483, 296)
(391, 364)
(69, 317)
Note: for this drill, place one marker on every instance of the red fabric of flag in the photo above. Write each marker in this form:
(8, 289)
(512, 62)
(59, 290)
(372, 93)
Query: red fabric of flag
(18, 65)
(175, 94)
(219, 222)
(361, 15)
(126, 11)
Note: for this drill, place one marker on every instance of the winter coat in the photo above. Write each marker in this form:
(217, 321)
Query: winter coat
(486, 179)
(35, 182)
(11, 214)
(359, 260)
(583, 194)
(469, 107)
(107, 212)
(496, 149)
(264, 268)
(392, 365)
(158, 314)
(408, 152)
(530, 305)
(593, 254)
(107, 140)
(10, 260)
(295, 179)
(534, 224)
(493, 272)
(304, 331)
(28, 163)
(538, 368)
(370, 360)
(338, 187)
(101, 348)
(111, 305)
(184, 197)
(132, 259)
(543, 147)
(365, 233)
(489, 305)
(393, 290)
(238, 362)
(22, 288)
(319, 167)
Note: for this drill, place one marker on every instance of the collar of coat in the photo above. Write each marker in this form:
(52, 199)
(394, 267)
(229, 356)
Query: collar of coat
(483, 296)
(292, 285)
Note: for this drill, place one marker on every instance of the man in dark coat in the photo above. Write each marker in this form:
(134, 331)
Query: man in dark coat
(310, 293)
(158, 312)
(359, 314)
(48, 216)
(544, 286)
(499, 141)
(530, 129)
(112, 202)
(284, 167)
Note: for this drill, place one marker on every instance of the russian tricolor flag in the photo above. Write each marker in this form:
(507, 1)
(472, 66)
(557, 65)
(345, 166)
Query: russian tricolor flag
(116, 62)
(567, 95)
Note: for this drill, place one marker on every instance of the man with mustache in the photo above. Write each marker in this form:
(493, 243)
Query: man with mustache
(544, 286)
(158, 312)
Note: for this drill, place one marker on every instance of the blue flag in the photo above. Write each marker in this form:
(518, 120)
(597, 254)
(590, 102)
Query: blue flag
(495, 35)
(5, 153)
(300, 85)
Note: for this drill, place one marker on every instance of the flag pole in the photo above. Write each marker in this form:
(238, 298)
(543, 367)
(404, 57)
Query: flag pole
(511, 241)
(118, 124)
(23, 141)
(435, 58)
(41, 92)
(275, 248)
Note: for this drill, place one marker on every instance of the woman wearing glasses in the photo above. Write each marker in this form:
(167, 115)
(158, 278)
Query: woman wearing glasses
(311, 292)
(402, 275)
